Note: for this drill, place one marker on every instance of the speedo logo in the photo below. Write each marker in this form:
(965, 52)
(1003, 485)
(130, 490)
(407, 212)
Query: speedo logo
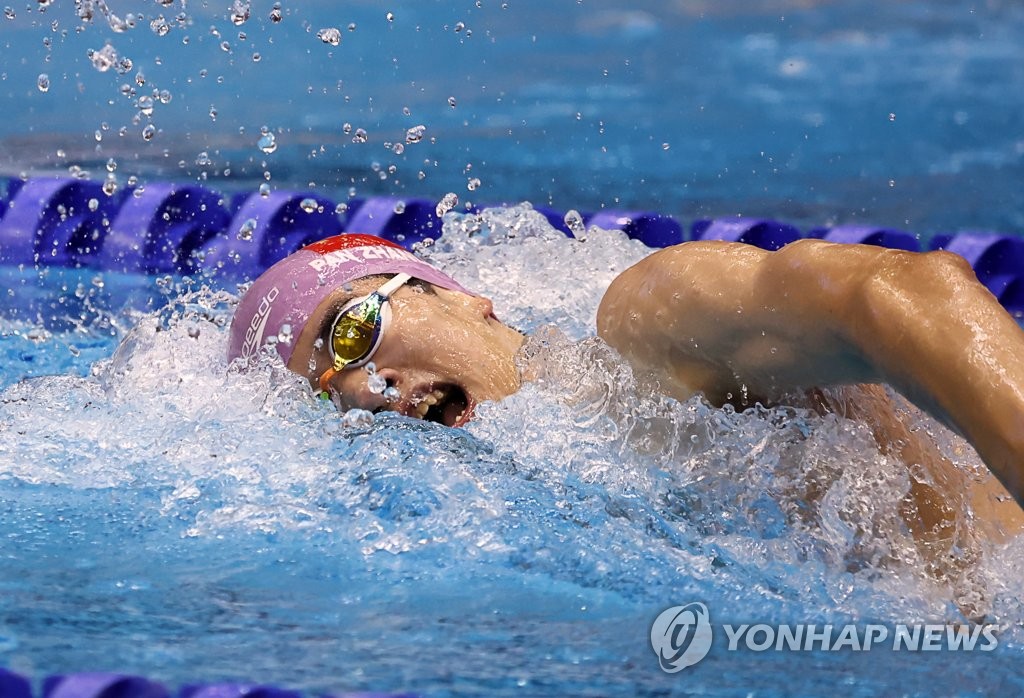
(258, 323)
(359, 255)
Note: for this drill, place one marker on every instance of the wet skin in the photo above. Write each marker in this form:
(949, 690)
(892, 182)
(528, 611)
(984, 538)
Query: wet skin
(441, 346)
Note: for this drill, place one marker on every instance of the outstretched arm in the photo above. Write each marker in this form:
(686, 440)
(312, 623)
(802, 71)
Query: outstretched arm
(731, 319)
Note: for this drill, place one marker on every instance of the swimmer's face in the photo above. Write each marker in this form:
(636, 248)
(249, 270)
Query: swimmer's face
(443, 351)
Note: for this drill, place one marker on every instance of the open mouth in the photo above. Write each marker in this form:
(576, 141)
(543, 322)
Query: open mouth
(445, 404)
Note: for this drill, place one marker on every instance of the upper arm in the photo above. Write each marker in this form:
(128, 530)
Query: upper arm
(721, 317)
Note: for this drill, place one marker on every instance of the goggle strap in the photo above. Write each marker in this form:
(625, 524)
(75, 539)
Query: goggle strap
(393, 285)
(325, 380)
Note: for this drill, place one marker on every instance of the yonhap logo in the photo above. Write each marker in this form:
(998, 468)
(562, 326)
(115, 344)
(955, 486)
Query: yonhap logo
(681, 636)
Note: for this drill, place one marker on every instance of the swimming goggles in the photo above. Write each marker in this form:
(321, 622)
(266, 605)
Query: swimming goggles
(358, 330)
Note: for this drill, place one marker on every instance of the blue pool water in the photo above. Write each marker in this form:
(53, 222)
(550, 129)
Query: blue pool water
(163, 515)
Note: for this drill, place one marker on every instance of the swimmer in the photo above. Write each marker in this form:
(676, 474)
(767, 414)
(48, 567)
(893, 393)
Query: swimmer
(723, 319)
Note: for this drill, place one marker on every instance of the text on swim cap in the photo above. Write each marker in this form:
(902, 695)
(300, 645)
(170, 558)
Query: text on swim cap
(360, 254)
(258, 323)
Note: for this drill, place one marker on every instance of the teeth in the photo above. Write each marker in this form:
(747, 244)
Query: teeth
(432, 398)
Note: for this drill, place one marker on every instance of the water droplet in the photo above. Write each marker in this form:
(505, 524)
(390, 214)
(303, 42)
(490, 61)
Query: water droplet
(346, 128)
(111, 165)
(74, 350)
(446, 204)
(9, 12)
(148, 132)
(267, 143)
(459, 26)
(665, 146)
(329, 35)
(203, 159)
(213, 113)
(225, 47)
(160, 26)
(359, 136)
(145, 105)
(399, 207)
(357, 419)
(275, 13)
(340, 209)
(415, 134)
(308, 205)
(239, 12)
(451, 102)
(398, 148)
(473, 184)
(110, 185)
(892, 117)
(574, 222)
(264, 190)
(103, 59)
(376, 384)
(285, 335)
(246, 230)
(352, 26)
(392, 394)
(390, 16)
(93, 204)
(892, 182)
(256, 58)
(43, 82)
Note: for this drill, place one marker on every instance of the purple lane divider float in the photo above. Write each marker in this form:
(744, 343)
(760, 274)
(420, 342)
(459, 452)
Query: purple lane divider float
(100, 685)
(998, 260)
(266, 229)
(54, 221)
(652, 229)
(768, 235)
(405, 221)
(158, 228)
(868, 235)
(236, 690)
(14, 686)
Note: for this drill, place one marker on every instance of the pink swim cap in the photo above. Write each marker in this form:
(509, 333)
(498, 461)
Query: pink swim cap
(282, 299)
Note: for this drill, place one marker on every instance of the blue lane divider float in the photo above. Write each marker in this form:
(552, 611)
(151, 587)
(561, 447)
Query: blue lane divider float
(188, 229)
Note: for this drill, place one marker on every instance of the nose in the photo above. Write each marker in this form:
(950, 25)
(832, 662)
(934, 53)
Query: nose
(369, 391)
(485, 306)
